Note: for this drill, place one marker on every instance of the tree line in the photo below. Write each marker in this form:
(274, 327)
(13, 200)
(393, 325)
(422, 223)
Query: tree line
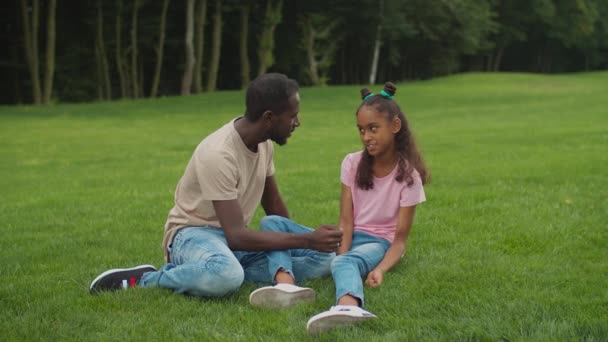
(86, 50)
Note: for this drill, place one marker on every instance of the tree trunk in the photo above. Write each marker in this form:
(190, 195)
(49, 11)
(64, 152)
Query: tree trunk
(498, 59)
(142, 78)
(98, 73)
(16, 74)
(119, 62)
(309, 43)
(160, 49)
(489, 63)
(189, 67)
(216, 46)
(49, 70)
(372, 74)
(104, 70)
(35, 55)
(134, 80)
(244, 52)
(343, 77)
(266, 44)
(201, 15)
(30, 35)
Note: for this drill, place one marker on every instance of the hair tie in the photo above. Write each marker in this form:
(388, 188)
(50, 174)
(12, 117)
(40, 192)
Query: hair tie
(386, 95)
(368, 96)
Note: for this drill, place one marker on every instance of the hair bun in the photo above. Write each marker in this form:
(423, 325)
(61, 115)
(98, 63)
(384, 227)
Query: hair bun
(364, 93)
(390, 88)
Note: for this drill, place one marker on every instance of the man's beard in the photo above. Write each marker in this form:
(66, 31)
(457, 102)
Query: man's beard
(280, 141)
(277, 138)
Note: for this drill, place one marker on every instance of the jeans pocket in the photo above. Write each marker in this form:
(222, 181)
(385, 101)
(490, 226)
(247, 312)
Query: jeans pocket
(176, 243)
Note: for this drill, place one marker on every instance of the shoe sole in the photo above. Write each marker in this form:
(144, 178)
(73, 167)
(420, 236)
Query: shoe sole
(334, 321)
(117, 271)
(274, 298)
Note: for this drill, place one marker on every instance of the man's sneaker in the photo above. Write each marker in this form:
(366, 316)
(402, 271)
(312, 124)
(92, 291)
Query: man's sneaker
(281, 296)
(337, 316)
(119, 278)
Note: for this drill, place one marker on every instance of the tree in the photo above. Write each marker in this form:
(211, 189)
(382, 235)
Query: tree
(216, 45)
(189, 66)
(448, 30)
(320, 42)
(30, 42)
(573, 27)
(334, 42)
(121, 67)
(159, 49)
(272, 18)
(134, 81)
(31, 26)
(104, 83)
(243, 50)
(200, 21)
(50, 52)
(595, 48)
(377, 43)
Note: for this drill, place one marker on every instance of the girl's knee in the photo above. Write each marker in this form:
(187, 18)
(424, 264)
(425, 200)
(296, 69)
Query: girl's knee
(338, 261)
(346, 260)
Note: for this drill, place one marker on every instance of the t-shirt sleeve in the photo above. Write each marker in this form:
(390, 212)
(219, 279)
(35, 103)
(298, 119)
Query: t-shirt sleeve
(217, 175)
(414, 194)
(270, 166)
(347, 174)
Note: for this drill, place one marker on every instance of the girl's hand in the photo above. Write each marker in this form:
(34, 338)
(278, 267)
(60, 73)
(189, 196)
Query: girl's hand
(374, 278)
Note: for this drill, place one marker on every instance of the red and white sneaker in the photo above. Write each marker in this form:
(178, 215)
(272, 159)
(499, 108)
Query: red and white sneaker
(119, 278)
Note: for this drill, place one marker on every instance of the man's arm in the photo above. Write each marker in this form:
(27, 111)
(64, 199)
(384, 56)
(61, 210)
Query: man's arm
(346, 219)
(230, 215)
(272, 202)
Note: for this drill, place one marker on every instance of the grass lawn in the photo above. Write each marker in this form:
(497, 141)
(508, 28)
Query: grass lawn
(512, 243)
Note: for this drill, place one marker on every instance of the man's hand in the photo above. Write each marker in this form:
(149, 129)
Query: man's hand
(374, 278)
(326, 238)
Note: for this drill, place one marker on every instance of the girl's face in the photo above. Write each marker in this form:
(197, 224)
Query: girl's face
(377, 132)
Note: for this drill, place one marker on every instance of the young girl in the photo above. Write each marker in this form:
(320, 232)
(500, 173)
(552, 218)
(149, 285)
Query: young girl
(381, 187)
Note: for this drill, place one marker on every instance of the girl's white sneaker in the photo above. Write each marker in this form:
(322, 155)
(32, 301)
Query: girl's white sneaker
(281, 296)
(337, 316)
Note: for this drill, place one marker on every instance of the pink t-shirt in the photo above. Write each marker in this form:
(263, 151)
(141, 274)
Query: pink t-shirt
(375, 211)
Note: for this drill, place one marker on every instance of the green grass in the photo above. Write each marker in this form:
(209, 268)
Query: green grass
(512, 243)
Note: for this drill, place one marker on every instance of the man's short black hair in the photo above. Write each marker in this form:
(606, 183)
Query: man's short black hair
(269, 92)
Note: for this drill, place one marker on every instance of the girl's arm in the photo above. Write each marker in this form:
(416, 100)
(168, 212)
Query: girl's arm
(397, 248)
(346, 219)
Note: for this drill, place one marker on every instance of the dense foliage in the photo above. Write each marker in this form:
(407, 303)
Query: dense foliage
(316, 42)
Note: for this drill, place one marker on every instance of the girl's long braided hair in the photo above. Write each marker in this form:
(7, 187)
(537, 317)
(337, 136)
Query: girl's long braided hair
(409, 157)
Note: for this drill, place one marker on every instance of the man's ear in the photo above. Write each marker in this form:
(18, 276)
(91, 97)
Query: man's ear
(267, 116)
(396, 125)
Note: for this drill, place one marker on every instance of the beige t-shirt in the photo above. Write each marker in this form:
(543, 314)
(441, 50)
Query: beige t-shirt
(221, 168)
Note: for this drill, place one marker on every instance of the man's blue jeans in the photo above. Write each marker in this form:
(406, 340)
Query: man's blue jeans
(366, 252)
(202, 264)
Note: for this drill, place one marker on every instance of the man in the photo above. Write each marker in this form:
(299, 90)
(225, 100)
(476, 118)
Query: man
(208, 248)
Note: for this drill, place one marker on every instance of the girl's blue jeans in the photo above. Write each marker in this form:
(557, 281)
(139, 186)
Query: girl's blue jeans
(202, 264)
(366, 252)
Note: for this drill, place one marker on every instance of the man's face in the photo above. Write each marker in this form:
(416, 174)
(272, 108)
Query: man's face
(285, 123)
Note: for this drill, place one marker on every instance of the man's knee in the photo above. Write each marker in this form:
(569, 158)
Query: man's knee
(222, 276)
(228, 281)
(273, 223)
